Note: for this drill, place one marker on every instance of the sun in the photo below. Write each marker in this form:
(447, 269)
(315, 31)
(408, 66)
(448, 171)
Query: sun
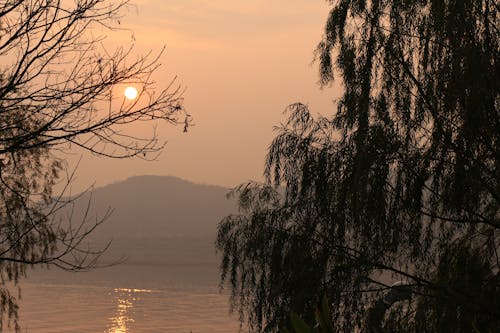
(130, 93)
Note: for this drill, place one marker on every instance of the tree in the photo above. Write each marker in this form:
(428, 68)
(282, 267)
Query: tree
(58, 91)
(386, 190)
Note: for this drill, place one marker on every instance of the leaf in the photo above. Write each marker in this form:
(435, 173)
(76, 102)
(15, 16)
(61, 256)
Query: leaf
(324, 316)
(298, 324)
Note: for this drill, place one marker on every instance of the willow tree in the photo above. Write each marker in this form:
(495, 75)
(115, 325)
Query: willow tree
(60, 88)
(400, 184)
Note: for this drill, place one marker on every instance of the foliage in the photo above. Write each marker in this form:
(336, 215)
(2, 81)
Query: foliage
(435, 311)
(383, 191)
(323, 321)
(58, 91)
(467, 270)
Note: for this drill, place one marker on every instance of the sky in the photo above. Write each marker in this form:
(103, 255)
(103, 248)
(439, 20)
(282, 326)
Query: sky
(241, 63)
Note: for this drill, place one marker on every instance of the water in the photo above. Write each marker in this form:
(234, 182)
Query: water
(129, 298)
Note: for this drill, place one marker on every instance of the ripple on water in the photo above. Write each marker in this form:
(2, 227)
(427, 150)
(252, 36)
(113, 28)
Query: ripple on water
(53, 308)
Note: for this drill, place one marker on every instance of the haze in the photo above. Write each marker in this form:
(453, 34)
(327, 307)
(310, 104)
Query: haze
(241, 63)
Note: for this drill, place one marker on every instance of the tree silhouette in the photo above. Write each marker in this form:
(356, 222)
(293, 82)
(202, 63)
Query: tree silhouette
(58, 91)
(384, 190)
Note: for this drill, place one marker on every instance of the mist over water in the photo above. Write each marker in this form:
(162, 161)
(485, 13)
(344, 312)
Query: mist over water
(164, 228)
(128, 298)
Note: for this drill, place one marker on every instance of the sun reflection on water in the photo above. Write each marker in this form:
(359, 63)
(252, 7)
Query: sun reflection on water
(123, 318)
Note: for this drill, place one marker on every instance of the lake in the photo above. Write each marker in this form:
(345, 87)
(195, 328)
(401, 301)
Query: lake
(134, 297)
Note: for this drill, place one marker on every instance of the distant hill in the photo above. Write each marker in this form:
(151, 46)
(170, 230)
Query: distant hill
(158, 218)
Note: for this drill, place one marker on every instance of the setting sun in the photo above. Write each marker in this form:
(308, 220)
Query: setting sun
(130, 93)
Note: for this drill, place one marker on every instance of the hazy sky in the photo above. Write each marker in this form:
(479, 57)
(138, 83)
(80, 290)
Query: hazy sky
(242, 63)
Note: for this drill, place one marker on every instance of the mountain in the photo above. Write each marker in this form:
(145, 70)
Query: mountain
(156, 219)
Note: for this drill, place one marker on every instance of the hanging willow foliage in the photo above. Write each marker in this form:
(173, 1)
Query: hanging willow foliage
(400, 182)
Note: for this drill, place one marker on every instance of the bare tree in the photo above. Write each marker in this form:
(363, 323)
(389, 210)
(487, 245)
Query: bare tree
(58, 91)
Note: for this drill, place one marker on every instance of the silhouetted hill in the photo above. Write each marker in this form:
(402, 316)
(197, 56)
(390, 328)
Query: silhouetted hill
(156, 206)
(158, 219)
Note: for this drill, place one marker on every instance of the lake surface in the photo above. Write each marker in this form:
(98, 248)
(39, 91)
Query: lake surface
(128, 298)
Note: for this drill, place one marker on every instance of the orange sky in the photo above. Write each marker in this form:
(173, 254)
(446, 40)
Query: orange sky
(242, 63)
